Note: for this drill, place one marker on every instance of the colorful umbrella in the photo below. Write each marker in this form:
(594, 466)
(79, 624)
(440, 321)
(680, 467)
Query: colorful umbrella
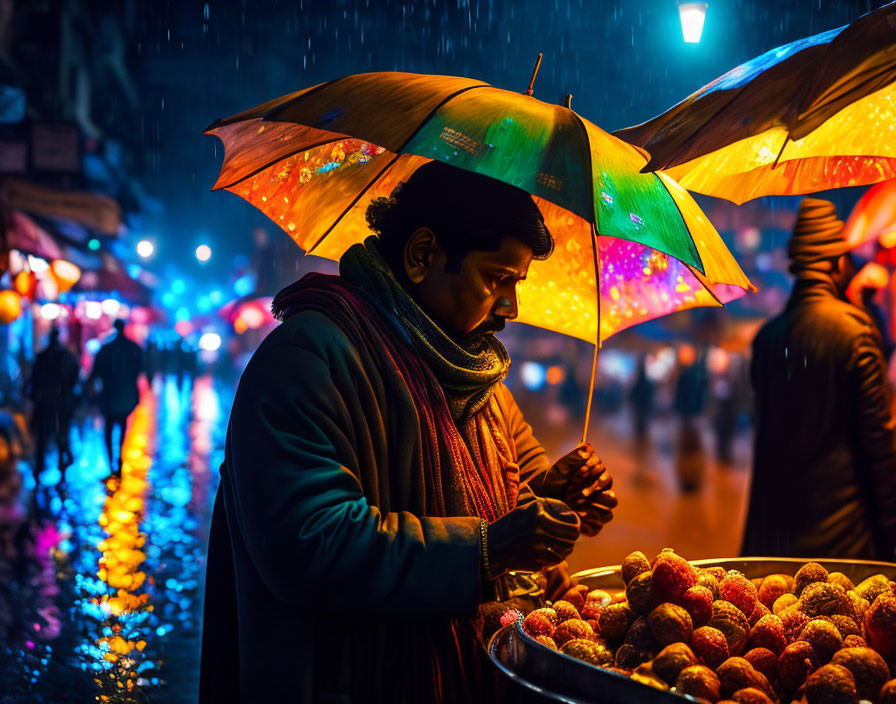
(811, 115)
(874, 216)
(313, 160)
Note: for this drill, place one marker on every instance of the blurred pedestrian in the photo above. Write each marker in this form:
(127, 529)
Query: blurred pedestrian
(641, 397)
(51, 390)
(824, 474)
(117, 366)
(691, 392)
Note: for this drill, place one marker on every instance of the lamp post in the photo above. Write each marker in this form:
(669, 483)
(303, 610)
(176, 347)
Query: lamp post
(692, 15)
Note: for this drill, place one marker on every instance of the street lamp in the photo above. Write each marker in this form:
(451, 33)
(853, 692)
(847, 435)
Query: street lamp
(145, 248)
(692, 16)
(203, 252)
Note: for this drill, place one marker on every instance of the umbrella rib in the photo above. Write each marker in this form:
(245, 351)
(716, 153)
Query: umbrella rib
(285, 156)
(352, 204)
(225, 121)
(413, 134)
(435, 109)
(683, 222)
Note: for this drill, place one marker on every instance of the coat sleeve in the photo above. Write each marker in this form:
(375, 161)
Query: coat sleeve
(301, 513)
(876, 430)
(531, 456)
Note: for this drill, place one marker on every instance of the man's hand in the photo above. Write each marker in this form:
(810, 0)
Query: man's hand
(536, 535)
(557, 581)
(581, 481)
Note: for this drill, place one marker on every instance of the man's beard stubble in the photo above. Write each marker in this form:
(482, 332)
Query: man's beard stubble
(478, 338)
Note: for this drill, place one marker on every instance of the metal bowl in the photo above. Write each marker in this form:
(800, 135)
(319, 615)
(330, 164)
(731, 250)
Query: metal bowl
(551, 676)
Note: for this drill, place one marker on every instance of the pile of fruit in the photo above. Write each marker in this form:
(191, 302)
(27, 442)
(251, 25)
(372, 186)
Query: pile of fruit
(717, 636)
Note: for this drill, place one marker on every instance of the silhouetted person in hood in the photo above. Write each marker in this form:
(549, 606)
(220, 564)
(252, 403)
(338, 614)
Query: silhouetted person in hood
(824, 474)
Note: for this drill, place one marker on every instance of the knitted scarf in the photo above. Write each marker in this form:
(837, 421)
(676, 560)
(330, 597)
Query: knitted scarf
(470, 467)
(467, 377)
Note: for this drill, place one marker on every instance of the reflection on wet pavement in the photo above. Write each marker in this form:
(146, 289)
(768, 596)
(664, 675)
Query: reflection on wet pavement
(101, 576)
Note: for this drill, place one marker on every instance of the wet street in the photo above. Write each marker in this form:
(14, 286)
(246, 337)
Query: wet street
(101, 578)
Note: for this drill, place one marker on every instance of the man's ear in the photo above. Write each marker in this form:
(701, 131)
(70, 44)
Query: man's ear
(419, 254)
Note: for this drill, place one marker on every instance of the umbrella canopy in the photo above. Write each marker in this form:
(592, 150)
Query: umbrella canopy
(873, 217)
(811, 115)
(313, 160)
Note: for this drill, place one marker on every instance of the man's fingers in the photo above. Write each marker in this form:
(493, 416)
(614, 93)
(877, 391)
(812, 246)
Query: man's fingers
(604, 498)
(603, 482)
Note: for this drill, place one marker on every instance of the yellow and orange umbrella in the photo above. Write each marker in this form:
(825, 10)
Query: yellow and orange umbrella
(313, 160)
(815, 114)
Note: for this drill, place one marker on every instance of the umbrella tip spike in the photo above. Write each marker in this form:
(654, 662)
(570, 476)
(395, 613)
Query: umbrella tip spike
(529, 90)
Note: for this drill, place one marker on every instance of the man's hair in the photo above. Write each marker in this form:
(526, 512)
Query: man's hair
(466, 211)
(119, 324)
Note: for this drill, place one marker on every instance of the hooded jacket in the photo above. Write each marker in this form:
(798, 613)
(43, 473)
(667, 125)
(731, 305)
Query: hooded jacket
(824, 472)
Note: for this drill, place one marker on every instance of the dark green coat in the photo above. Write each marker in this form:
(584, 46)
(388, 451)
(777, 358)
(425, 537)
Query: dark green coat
(325, 580)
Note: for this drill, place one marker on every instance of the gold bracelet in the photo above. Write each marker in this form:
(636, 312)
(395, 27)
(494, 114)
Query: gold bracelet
(483, 548)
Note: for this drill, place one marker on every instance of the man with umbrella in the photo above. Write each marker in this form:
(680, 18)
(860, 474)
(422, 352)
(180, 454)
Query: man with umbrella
(370, 496)
(824, 483)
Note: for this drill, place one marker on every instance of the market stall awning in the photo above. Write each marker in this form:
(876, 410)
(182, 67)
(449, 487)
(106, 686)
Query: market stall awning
(112, 277)
(96, 212)
(27, 236)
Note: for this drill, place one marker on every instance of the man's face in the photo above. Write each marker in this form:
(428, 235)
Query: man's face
(478, 299)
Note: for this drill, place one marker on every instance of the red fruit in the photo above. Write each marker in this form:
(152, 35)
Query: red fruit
(575, 596)
(807, 574)
(739, 590)
(633, 565)
(565, 610)
(699, 682)
(548, 641)
(615, 621)
(598, 596)
(509, 617)
(595, 625)
(710, 646)
(794, 622)
(641, 596)
(795, 664)
(831, 684)
(574, 628)
(855, 642)
(717, 572)
(672, 576)
(760, 611)
(763, 660)
(591, 610)
(549, 613)
(670, 624)
(880, 625)
(538, 624)
(888, 693)
(640, 637)
(731, 621)
(867, 667)
(768, 633)
(750, 695)
(736, 673)
(773, 586)
(824, 638)
(697, 601)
